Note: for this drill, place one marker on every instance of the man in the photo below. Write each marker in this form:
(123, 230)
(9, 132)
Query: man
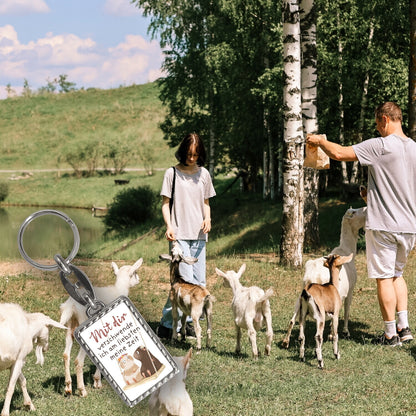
(391, 212)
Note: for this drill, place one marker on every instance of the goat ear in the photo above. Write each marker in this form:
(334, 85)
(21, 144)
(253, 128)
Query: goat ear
(165, 257)
(50, 322)
(220, 273)
(115, 267)
(137, 264)
(343, 259)
(189, 260)
(242, 270)
(363, 193)
(326, 261)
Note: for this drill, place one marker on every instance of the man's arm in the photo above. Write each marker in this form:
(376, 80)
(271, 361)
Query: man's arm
(333, 150)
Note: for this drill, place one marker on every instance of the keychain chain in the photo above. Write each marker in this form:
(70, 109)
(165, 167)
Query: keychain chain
(82, 290)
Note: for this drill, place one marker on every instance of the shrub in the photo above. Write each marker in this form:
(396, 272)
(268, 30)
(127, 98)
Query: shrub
(130, 208)
(4, 191)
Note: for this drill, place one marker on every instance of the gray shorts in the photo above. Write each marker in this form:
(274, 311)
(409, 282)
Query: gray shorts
(387, 253)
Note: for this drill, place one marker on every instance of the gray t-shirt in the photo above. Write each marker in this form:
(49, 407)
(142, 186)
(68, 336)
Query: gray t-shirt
(188, 201)
(391, 197)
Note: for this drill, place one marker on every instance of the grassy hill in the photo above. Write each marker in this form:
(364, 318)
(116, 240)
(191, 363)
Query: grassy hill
(36, 132)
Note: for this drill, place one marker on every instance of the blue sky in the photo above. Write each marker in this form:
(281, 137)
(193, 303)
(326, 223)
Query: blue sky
(97, 43)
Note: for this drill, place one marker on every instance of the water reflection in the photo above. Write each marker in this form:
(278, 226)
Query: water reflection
(47, 235)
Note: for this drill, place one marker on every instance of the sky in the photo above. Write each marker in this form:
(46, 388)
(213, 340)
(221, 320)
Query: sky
(96, 43)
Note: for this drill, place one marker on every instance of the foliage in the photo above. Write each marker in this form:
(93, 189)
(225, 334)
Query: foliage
(4, 190)
(117, 155)
(130, 208)
(223, 61)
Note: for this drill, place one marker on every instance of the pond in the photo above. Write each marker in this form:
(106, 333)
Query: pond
(47, 235)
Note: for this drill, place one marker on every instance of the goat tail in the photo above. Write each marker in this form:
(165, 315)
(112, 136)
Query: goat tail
(269, 293)
(210, 298)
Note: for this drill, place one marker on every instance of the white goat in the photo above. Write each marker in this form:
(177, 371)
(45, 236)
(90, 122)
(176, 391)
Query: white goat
(193, 300)
(251, 308)
(316, 272)
(73, 314)
(20, 331)
(321, 300)
(172, 398)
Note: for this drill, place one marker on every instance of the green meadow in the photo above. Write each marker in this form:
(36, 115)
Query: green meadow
(35, 133)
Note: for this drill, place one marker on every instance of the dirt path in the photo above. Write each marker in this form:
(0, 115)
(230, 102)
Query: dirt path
(8, 268)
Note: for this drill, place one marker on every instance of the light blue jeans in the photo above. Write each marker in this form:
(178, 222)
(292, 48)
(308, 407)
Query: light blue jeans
(194, 273)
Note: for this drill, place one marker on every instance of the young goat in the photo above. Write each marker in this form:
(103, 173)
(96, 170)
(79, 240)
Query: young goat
(73, 314)
(20, 331)
(251, 307)
(320, 300)
(172, 398)
(316, 272)
(191, 299)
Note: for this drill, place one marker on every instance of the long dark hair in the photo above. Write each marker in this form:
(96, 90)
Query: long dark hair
(182, 152)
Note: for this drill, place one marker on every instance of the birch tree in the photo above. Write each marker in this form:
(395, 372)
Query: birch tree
(291, 246)
(310, 117)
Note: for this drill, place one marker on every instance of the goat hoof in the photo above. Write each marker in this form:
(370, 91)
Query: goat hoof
(83, 393)
(30, 406)
(285, 344)
(321, 365)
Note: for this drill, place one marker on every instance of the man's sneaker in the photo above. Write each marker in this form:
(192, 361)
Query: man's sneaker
(394, 341)
(405, 335)
(163, 332)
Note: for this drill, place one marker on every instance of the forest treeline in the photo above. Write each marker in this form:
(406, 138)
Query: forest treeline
(224, 66)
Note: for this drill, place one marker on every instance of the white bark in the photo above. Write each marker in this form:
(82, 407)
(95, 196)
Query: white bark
(310, 117)
(292, 220)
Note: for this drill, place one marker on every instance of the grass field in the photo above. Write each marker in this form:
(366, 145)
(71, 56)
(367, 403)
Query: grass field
(367, 379)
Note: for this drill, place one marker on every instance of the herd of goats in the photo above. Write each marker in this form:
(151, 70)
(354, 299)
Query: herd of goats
(328, 283)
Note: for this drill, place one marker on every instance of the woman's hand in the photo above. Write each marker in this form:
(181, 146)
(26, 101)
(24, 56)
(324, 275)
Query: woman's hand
(169, 234)
(206, 225)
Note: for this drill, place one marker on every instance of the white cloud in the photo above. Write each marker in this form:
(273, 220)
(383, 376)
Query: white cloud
(120, 8)
(21, 7)
(132, 61)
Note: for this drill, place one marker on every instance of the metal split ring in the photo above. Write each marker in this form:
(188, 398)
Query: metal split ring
(37, 214)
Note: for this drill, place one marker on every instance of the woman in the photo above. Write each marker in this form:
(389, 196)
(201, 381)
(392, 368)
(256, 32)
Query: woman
(186, 190)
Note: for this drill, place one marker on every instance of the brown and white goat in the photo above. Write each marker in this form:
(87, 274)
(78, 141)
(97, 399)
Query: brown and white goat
(193, 300)
(251, 308)
(320, 300)
(315, 271)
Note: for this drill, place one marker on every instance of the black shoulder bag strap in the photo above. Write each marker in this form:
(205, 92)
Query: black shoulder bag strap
(173, 190)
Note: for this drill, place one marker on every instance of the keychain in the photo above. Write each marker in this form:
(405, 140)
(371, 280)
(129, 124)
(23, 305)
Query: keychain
(115, 336)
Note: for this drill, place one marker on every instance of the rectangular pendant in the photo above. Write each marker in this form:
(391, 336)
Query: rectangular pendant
(126, 351)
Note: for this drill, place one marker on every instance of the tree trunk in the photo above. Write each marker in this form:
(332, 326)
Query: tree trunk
(344, 170)
(412, 71)
(364, 97)
(310, 118)
(291, 246)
